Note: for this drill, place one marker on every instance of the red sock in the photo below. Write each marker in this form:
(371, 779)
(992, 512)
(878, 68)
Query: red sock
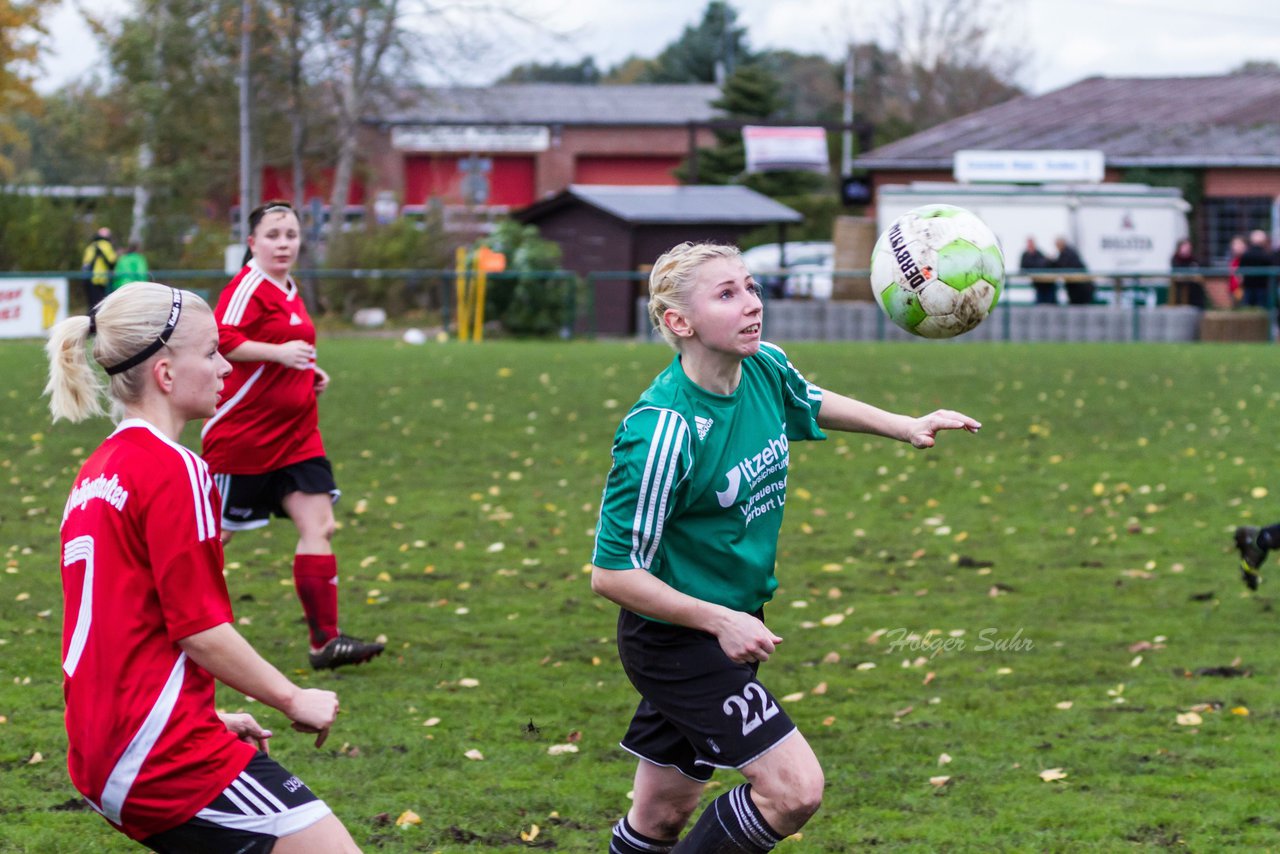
(315, 577)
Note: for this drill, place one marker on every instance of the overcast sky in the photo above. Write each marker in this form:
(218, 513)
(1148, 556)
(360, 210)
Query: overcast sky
(1068, 39)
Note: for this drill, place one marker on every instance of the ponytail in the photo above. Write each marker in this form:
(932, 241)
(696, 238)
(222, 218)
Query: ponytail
(75, 392)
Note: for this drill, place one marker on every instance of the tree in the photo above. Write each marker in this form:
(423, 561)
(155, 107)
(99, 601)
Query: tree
(951, 60)
(21, 29)
(584, 71)
(361, 36)
(706, 53)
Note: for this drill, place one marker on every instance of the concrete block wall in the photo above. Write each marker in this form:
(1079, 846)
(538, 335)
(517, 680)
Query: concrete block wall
(816, 320)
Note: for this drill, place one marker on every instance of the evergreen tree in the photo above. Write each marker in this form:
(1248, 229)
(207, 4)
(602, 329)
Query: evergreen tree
(717, 40)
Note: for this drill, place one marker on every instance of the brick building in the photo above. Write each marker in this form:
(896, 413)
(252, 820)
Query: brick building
(505, 147)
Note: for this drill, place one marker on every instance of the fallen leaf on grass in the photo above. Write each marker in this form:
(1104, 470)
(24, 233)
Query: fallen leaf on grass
(1049, 775)
(407, 818)
(36, 758)
(1189, 719)
(944, 759)
(474, 755)
(1240, 710)
(531, 835)
(557, 749)
(1064, 705)
(939, 781)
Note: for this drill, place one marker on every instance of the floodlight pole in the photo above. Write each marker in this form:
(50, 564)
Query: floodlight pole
(246, 11)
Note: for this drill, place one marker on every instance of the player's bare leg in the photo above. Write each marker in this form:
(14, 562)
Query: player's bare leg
(663, 801)
(786, 784)
(783, 790)
(327, 836)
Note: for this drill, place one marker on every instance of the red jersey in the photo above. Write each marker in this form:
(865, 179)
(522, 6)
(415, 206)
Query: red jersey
(268, 417)
(142, 569)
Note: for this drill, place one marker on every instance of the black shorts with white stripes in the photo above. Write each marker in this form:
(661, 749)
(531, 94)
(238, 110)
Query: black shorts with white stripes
(250, 500)
(262, 804)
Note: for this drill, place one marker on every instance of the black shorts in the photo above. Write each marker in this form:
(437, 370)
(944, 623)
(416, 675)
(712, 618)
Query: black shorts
(262, 804)
(700, 710)
(250, 500)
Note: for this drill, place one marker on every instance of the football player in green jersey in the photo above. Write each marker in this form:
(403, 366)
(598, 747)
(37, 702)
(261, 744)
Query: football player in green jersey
(686, 545)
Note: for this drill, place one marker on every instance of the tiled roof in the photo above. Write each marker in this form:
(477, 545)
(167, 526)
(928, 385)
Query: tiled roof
(557, 103)
(1232, 120)
(729, 205)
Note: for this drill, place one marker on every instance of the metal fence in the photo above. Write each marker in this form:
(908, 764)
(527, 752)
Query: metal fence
(562, 303)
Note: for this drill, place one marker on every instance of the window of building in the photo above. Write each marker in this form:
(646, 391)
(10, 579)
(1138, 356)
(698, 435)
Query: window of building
(1227, 216)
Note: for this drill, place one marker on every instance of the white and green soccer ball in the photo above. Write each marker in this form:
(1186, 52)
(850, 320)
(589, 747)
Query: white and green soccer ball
(937, 271)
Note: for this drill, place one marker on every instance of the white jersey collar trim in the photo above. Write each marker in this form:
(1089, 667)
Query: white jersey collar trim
(287, 287)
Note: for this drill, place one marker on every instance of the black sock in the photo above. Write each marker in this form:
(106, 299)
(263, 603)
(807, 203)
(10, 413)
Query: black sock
(1269, 537)
(731, 824)
(627, 840)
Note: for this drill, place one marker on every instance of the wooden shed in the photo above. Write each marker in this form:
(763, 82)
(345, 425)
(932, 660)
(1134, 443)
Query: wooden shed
(623, 229)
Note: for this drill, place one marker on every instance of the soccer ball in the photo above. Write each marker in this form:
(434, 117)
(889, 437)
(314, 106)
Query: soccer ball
(937, 271)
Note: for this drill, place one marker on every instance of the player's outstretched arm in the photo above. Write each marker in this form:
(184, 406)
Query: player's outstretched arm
(223, 652)
(741, 636)
(854, 416)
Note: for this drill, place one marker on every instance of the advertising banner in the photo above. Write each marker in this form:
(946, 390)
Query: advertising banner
(770, 148)
(30, 307)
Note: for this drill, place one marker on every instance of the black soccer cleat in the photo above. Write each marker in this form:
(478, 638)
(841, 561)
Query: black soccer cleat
(344, 649)
(1252, 556)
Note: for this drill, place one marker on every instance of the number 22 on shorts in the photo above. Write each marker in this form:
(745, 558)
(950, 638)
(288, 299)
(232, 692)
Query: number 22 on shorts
(741, 704)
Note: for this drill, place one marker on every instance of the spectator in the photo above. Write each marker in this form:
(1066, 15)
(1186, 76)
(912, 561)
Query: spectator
(1033, 259)
(1188, 291)
(1079, 289)
(1234, 288)
(132, 267)
(97, 262)
(1256, 286)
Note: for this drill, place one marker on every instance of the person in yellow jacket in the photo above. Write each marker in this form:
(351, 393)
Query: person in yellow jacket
(98, 261)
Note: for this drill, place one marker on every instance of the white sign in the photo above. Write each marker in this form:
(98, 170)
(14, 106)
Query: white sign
(471, 138)
(770, 148)
(1029, 167)
(30, 307)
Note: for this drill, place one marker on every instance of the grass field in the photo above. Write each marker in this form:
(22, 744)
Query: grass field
(1053, 593)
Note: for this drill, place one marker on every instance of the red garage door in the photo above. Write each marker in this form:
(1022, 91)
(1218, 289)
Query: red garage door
(631, 170)
(429, 176)
(277, 183)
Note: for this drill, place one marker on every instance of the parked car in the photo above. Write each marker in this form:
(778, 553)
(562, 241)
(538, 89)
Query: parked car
(806, 273)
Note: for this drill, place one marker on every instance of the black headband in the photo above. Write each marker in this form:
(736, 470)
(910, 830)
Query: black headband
(175, 311)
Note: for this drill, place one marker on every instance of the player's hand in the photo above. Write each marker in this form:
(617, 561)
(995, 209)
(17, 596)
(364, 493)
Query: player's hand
(313, 710)
(744, 638)
(322, 380)
(922, 431)
(296, 354)
(244, 727)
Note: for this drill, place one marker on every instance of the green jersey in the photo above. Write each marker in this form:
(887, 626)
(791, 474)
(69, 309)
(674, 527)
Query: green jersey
(699, 480)
(132, 267)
